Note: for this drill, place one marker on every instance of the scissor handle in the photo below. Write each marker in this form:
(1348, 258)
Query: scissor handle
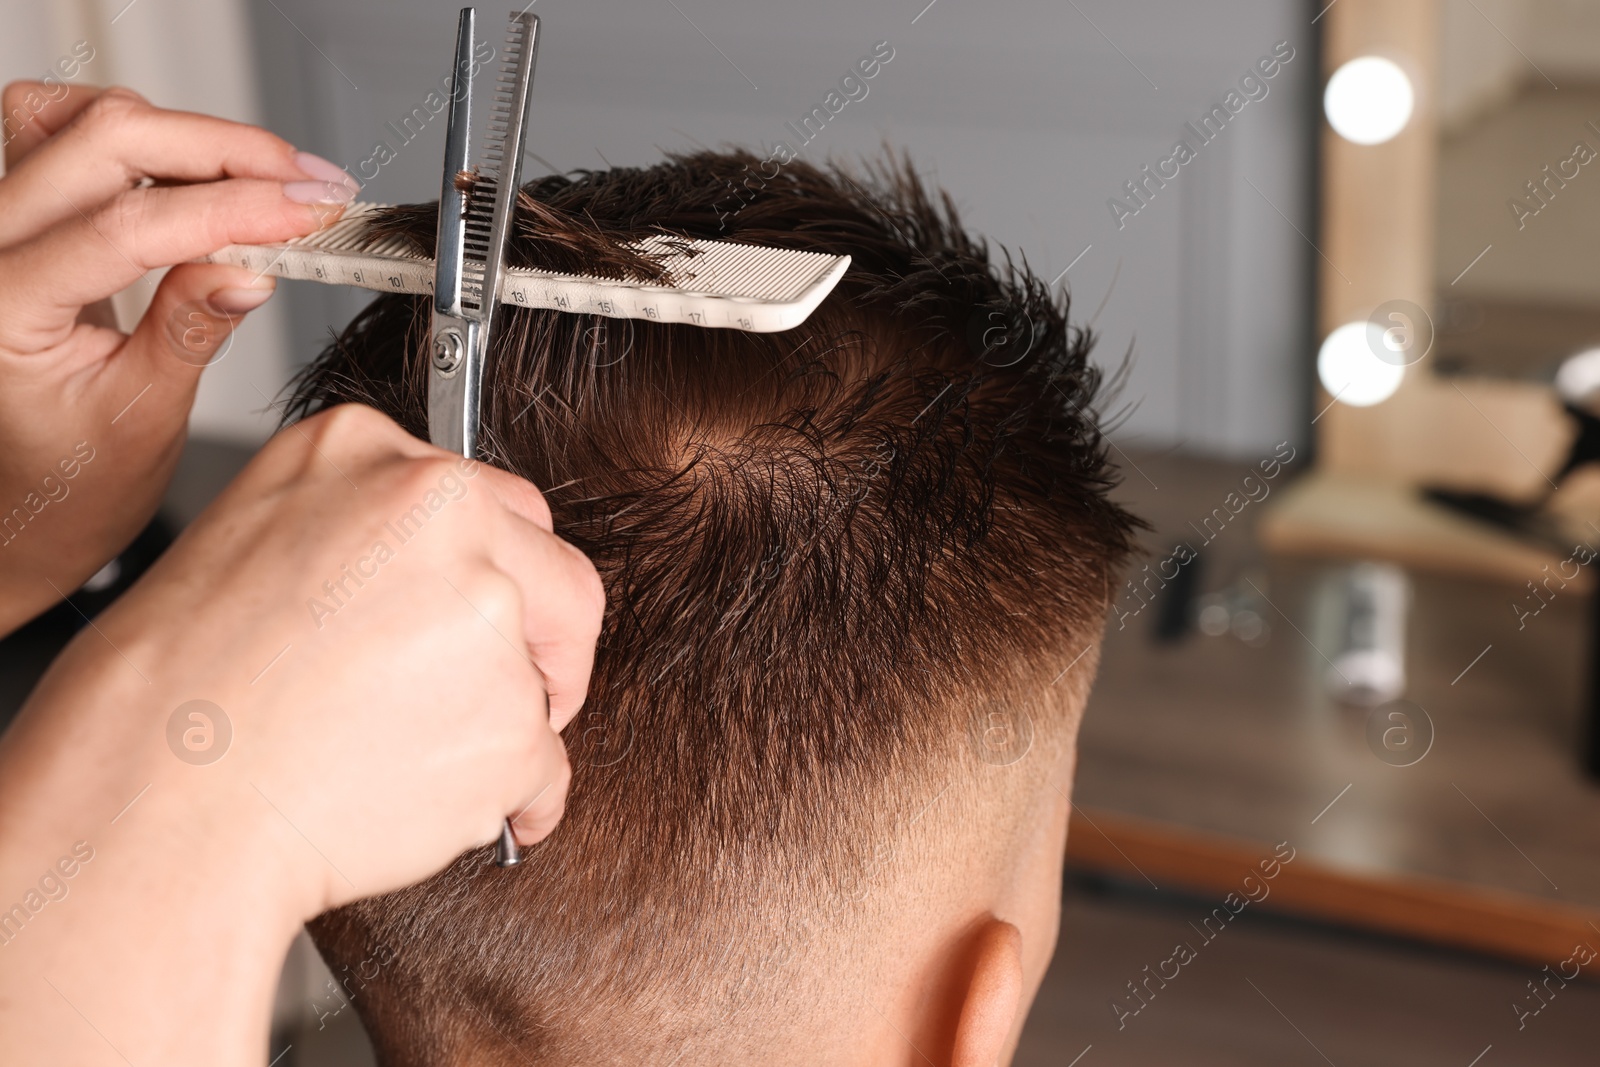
(506, 852)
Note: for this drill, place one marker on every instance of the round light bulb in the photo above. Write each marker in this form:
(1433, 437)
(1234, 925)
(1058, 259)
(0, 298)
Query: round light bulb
(1350, 370)
(1578, 378)
(1368, 100)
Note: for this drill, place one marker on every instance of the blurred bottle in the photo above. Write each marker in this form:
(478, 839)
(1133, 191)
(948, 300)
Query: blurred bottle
(1369, 667)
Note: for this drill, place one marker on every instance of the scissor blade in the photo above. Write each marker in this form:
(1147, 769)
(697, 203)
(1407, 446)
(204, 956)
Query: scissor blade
(456, 342)
(452, 202)
(501, 174)
(470, 265)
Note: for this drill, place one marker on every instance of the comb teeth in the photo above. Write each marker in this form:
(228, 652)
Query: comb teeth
(475, 240)
(725, 269)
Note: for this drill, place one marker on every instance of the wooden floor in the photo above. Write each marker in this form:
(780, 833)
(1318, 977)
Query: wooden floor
(1212, 735)
(1269, 992)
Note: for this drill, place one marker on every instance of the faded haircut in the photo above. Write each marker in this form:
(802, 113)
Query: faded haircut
(823, 548)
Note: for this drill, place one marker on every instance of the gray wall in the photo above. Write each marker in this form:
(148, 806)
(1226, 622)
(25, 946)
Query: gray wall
(1033, 113)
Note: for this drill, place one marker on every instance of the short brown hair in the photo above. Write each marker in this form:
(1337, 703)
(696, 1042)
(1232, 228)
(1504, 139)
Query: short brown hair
(821, 548)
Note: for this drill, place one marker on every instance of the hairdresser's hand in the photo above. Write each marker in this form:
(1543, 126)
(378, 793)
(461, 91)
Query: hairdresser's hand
(92, 419)
(379, 622)
(376, 623)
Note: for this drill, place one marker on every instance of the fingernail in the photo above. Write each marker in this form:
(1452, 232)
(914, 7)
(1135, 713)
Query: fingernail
(238, 301)
(318, 192)
(325, 170)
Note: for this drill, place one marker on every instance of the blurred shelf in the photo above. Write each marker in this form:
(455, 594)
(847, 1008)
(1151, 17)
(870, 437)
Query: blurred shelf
(1510, 926)
(1328, 516)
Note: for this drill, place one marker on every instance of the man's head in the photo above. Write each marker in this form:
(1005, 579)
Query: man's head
(856, 572)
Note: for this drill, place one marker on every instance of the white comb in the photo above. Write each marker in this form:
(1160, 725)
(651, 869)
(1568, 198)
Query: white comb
(718, 284)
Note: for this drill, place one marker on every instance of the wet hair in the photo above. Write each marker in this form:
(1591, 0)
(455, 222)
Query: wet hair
(823, 549)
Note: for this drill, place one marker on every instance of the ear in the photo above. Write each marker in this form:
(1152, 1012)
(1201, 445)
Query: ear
(993, 997)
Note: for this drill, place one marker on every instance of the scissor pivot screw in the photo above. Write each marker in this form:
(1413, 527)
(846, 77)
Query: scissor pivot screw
(448, 349)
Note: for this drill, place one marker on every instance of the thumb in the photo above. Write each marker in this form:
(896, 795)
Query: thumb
(191, 321)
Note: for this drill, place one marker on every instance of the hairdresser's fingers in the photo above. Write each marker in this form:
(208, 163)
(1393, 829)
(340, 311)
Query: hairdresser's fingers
(159, 366)
(563, 602)
(34, 111)
(190, 325)
(119, 139)
(521, 496)
(551, 775)
(352, 444)
(46, 280)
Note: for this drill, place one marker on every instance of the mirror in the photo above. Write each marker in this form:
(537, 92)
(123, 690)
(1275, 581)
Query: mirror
(1517, 251)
